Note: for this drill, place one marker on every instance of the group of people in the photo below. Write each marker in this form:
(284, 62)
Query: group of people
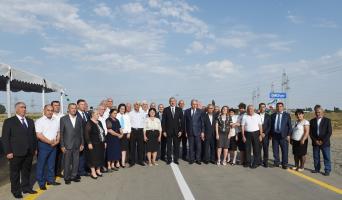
(90, 142)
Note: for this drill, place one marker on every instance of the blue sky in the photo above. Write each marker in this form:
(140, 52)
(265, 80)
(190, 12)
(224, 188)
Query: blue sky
(136, 50)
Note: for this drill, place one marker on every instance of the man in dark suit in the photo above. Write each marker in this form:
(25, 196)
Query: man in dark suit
(20, 145)
(84, 116)
(172, 129)
(209, 135)
(266, 127)
(181, 104)
(194, 131)
(281, 129)
(72, 143)
(320, 133)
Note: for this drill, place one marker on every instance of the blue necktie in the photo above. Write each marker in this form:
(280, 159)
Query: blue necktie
(23, 122)
(84, 117)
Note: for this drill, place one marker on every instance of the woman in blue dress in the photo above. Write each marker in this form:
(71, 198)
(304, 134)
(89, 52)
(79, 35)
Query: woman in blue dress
(113, 141)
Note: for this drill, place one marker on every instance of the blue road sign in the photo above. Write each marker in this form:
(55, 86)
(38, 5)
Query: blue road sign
(278, 95)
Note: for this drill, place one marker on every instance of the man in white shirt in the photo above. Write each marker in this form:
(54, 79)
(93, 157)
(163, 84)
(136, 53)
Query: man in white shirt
(101, 109)
(144, 107)
(47, 129)
(56, 106)
(137, 119)
(251, 127)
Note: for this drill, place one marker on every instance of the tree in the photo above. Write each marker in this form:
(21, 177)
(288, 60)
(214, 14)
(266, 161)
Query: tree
(2, 109)
(336, 109)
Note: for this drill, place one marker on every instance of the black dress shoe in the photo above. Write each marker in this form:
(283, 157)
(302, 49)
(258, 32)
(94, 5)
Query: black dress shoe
(191, 162)
(284, 167)
(314, 171)
(265, 165)
(176, 162)
(213, 162)
(142, 164)
(168, 162)
(67, 182)
(30, 191)
(76, 180)
(53, 183)
(78, 177)
(206, 162)
(18, 196)
(198, 163)
(326, 174)
(254, 166)
(43, 188)
(245, 166)
(276, 165)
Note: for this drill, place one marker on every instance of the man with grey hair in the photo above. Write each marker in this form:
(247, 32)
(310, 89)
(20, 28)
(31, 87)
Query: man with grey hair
(194, 131)
(20, 145)
(109, 105)
(144, 107)
(320, 133)
(172, 129)
(181, 104)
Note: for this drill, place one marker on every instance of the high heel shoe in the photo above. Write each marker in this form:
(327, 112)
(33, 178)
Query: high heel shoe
(93, 177)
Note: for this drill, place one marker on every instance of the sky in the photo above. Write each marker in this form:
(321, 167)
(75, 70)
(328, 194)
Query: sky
(153, 49)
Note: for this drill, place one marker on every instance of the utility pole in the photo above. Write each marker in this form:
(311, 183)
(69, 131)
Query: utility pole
(285, 88)
(253, 97)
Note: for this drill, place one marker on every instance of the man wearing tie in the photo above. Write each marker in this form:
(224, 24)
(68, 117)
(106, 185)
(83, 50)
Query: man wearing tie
(83, 115)
(266, 127)
(181, 104)
(194, 131)
(320, 133)
(20, 145)
(209, 135)
(281, 129)
(162, 152)
(172, 129)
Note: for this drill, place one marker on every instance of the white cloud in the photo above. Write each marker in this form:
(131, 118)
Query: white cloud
(295, 19)
(133, 8)
(102, 10)
(198, 47)
(325, 23)
(217, 69)
(281, 45)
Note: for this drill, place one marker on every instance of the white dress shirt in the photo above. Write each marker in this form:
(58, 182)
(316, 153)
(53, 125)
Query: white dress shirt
(127, 122)
(48, 127)
(251, 122)
(73, 120)
(318, 124)
(262, 115)
(152, 124)
(103, 122)
(233, 131)
(20, 119)
(106, 113)
(276, 120)
(137, 119)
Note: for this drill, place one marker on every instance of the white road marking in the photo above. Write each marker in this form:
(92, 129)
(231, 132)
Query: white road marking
(183, 186)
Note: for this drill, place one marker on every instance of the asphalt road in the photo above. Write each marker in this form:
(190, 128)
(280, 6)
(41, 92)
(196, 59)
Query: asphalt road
(204, 182)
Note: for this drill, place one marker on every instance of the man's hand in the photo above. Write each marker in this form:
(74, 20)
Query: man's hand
(81, 148)
(217, 137)
(9, 156)
(63, 149)
(164, 134)
(244, 139)
(202, 136)
(90, 147)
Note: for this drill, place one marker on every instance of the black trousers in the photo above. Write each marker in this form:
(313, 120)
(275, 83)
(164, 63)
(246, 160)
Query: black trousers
(20, 168)
(184, 146)
(264, 145)
(173, 142)
(163, 143)
(71, 160)
(137, 146)
(210, 149)
(252, 142)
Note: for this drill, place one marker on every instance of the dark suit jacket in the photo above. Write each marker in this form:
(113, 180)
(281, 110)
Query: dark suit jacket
(209, 128)
(172, 125)
(71, 137)
(325, 131)
(193, 125)
(266, 127)
(81, 117)
(286, 126)
(17, 139)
